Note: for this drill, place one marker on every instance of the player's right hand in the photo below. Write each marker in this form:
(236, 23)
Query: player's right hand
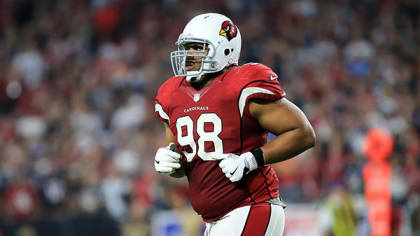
(167, 161)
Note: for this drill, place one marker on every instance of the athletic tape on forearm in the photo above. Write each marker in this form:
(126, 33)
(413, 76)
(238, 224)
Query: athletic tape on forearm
(259, 156)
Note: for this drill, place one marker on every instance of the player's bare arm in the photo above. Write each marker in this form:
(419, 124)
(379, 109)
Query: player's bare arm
(169, 136)
(284, 119)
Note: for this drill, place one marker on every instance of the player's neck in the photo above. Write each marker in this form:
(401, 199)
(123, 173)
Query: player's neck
(209, 77)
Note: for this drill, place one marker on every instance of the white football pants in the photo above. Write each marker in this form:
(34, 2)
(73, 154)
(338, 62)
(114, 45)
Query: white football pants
(263, 219)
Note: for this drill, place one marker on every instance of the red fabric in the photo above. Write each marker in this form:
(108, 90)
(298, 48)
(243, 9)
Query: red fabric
(212, 195)
(106, 19)
(21, 201)
(257, 221)
(377, 177)
(378, 145)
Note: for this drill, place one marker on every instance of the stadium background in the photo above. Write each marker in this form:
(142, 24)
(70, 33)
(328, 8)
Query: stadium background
(78, 132)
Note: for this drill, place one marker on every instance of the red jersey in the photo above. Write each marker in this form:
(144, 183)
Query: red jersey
(215, 120)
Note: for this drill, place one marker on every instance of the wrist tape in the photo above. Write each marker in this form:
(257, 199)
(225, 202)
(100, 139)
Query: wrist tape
(259, 156)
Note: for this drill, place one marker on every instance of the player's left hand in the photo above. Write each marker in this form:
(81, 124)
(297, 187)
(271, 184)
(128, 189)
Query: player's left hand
(235, 167)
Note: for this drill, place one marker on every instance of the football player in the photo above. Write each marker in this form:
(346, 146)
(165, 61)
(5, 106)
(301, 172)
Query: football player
(217, 115)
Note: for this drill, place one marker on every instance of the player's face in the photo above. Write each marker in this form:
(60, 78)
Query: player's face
(193, 62)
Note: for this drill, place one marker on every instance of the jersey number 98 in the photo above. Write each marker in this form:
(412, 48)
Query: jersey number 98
(186, 138)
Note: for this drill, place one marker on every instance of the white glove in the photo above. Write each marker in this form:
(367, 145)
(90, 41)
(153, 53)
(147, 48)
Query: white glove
(167, 161)
(235, 167)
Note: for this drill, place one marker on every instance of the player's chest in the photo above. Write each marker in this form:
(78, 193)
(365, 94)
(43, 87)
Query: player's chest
(217, 99)
(204, 122)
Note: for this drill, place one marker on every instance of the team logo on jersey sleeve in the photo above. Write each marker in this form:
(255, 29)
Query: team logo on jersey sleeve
(228, 30)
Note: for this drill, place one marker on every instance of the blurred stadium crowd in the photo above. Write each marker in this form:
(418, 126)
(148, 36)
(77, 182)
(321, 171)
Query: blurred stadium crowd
(77, 126)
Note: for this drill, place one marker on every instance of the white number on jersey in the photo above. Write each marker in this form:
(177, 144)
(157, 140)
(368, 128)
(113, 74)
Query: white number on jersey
(204, 136)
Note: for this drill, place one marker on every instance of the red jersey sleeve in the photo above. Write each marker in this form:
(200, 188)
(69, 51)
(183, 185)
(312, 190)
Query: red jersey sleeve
(162, 103)
(262, 83)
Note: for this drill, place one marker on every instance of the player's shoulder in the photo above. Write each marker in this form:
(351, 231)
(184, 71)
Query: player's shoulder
(254, 66)
(172, 83)
(169, 86)
(255, 72)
